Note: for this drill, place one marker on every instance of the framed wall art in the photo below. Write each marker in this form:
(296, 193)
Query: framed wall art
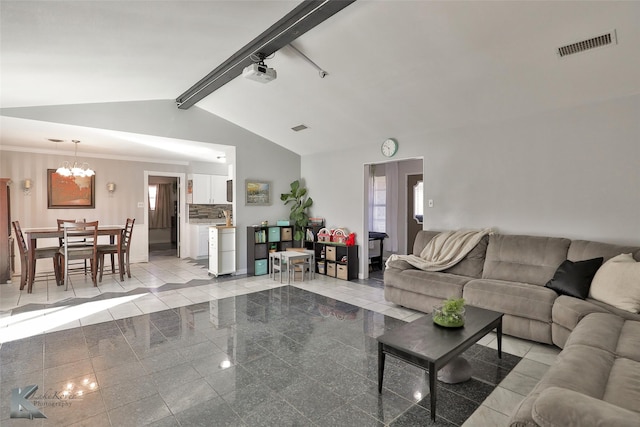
(257, 193)
(73, 192)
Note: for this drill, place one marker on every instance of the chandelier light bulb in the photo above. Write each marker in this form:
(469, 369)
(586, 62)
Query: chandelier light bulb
(80, 171)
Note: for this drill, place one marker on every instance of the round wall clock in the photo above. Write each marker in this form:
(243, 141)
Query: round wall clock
(389, 147)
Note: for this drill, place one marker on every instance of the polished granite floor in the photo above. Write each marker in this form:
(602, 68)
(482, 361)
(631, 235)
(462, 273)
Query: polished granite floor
(235, 351)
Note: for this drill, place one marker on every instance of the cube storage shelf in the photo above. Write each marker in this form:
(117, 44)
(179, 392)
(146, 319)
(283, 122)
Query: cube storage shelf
(260, 240)
(335, 259)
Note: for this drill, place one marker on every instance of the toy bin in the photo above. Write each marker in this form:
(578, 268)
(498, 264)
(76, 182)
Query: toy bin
(339, 236)
(331, 269)
(261, 267)
(341, 271)
(331, 253)
(274, 234)
(324, 235)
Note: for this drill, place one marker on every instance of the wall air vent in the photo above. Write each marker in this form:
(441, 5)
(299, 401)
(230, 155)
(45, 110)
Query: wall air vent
(592, 43)
(299, 128)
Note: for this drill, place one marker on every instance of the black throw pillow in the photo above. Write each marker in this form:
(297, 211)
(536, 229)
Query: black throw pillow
(574, 278)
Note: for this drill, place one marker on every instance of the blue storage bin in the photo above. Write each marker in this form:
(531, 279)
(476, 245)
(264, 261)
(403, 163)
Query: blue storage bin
(274, 234)
(261, 267)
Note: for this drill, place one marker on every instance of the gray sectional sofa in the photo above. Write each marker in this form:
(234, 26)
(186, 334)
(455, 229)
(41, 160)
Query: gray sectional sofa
(507, 273)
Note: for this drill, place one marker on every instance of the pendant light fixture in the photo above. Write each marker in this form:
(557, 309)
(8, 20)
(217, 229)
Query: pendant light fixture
(81, 170)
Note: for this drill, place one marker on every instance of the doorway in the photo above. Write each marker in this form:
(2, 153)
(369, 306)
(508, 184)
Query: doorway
(387, 208)
(163, 216)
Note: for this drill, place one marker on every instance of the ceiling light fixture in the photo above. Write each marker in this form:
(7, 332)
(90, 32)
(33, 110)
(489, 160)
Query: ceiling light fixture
(81, 170)
(294, 24)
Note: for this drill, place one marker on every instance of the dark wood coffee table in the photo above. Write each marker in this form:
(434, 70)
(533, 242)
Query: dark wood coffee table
(428, 346)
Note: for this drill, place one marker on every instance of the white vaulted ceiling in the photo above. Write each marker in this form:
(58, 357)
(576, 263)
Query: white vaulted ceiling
(394, 66)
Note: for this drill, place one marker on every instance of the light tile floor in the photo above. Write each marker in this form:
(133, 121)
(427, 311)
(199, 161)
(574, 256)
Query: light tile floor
(155, 286)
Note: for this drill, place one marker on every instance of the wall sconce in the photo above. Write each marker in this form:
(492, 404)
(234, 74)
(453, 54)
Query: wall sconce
(111, 187)
(26, 186)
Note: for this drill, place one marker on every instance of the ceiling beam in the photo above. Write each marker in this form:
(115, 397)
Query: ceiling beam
(294, 24)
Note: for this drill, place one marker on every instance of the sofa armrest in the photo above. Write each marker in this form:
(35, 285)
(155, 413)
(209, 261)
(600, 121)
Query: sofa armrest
(559, 407)
(568, 311)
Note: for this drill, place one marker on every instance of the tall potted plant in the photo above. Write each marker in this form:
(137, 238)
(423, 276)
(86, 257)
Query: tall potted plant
(299, 201)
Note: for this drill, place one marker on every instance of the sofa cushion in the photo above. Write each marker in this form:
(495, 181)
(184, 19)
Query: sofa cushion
(527, 259)
(627, 315)
(598, 330)
(471, 265)
(584, 249)
(561, 407)
(623, 387)
(629, 342)
(574, 278)
(517, 299)
(422, 238)
(432, 283)
(569, 369)
(617, 283)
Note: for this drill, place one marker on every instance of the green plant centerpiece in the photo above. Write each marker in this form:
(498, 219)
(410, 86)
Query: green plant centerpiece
(299, 205)
(450, 314)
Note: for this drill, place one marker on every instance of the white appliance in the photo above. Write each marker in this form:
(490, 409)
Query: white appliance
(222, 250)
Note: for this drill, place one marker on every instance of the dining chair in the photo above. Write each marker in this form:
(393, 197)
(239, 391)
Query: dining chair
(40, 253)
(75, 245)
(79, 243)
(112, 249)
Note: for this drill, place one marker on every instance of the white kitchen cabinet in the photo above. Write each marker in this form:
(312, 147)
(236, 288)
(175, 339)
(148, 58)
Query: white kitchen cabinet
(199, 241)
(207, 189)
(222, 250)
(219, 184)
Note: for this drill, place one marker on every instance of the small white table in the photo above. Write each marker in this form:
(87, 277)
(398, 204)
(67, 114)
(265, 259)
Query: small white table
(288, 258)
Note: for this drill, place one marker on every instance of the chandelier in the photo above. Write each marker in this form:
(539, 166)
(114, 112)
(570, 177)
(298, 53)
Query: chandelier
(80, 170)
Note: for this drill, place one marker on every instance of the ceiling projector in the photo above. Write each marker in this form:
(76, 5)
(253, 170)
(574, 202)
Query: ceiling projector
(260, 73)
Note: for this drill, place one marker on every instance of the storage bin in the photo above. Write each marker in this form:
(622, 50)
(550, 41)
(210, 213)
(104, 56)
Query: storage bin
(286, 234)
(261, 267)
(331, 269)
(274, 234)
(331, 253)
(342, 271)
(260, 251)
(283, 222)
(321, 267)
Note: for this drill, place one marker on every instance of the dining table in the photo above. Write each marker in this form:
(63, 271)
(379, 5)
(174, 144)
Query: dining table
(113, 231)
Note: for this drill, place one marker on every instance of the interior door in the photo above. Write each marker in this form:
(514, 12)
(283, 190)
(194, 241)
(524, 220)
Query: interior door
(178, 218)
(414, 209)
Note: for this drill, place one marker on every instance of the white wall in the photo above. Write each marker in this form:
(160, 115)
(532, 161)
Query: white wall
(255, 157)
(572, 173)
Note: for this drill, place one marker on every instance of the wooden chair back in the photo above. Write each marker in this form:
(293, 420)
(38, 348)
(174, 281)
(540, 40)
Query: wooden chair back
(126, 234)
(22, 244)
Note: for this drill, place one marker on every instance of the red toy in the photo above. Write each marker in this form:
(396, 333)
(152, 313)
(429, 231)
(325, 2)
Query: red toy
(351, 239)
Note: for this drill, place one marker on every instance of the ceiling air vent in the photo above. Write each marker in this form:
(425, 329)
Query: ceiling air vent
(299, 128)
(592, 43)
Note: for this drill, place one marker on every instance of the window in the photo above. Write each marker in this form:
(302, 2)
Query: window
(379, 220)
(153, 192)
(418, 201)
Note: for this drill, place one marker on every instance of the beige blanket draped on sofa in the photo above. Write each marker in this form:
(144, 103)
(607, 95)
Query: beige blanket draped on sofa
(445, 250)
